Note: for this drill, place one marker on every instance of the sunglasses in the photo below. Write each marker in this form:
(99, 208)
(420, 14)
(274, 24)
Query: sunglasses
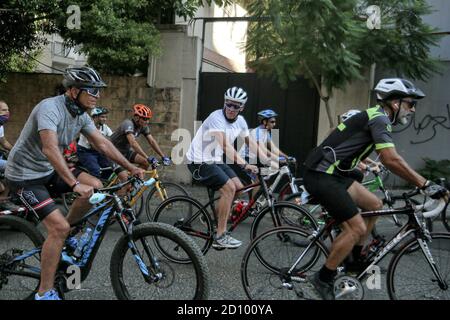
(273, 121)
(94, 92)
(233, 106)
(412, 103)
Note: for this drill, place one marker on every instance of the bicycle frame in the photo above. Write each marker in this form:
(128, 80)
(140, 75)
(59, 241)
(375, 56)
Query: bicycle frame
(108, 209)
(412, 226)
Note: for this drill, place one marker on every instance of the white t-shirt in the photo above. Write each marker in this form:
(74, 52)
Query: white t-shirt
(261, 135)
(2, 132)
(204, 147)
(104, 130)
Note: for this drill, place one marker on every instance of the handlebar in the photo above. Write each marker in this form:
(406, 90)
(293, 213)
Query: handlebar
(428, 205)
(100, 194)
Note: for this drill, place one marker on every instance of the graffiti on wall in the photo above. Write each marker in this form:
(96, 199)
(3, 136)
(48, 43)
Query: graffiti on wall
(428, 122)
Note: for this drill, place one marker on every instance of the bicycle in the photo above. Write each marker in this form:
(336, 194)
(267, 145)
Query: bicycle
(160, 190)
(138, 270)
(278, 263)
(194, 218)
(376, 184)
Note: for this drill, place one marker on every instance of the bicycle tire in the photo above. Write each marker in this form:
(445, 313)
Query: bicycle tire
(13, 232)
(178, 209)
(123, 266)
(445, 217)
(153, 194)
(424, 278)
(297, 216)
(265, 265)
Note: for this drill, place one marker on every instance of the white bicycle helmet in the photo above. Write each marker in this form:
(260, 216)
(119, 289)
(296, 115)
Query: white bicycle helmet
(236, 94)
(349, 114)
(397, 88)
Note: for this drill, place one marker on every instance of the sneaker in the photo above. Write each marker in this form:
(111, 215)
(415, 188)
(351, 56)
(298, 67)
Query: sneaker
(324, 289)
(226, 241)
(48, 295)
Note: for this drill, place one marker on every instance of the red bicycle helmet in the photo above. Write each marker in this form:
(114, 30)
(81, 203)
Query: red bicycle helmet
(142, 111)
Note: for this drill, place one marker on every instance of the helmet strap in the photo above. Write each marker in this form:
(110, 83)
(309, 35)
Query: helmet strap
(230, 120)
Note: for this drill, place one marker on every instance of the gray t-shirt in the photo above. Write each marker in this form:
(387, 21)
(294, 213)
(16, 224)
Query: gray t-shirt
(119, 137)
(26, 160)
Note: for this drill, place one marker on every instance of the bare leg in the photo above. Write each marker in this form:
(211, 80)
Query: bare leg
(367, 201)
(224, 205)
(80, 206)
(353, 230)
(58, 229)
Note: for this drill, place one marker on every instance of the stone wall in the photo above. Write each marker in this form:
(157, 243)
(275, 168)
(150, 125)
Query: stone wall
(23, 91)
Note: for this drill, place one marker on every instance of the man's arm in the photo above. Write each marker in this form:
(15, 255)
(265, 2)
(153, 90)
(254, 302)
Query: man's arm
(105, 146)
(276, 151)
(260, 149)
(5, 144)
(394, 162)
(154, 145)
(135, 145)
(229, 151)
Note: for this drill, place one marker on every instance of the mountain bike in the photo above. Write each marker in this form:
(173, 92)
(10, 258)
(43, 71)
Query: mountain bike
(279, 263)
(138, 270)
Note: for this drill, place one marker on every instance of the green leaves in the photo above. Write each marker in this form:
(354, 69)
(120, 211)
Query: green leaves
(329, 38)
(117, 35)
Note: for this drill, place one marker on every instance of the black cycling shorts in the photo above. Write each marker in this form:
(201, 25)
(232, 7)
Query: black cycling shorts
(39, 193)
(331, 192)
(214, 176)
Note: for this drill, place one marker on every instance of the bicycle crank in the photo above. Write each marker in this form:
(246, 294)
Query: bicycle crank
(348, 288)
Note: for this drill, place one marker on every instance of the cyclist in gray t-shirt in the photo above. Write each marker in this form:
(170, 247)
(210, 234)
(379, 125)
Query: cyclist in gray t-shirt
(124, 138)
(37, 171)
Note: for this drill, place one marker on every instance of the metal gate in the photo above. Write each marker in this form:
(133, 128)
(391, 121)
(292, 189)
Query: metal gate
(297, 106)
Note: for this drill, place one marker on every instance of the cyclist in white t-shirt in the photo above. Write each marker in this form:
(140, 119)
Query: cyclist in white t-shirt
(89, 158)
(213, 140)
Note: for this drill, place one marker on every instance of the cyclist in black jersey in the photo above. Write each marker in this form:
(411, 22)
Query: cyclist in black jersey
(351, 142)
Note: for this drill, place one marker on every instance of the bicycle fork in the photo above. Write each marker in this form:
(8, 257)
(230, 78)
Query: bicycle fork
(427, 253)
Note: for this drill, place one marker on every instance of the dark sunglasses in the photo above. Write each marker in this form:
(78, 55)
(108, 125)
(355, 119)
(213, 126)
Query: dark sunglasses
(95, 92)
(232, 106)
(273, 121)
(412, 103)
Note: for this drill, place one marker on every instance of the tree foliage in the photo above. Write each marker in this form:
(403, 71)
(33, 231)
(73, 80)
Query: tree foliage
(117, 35)
(329, 42)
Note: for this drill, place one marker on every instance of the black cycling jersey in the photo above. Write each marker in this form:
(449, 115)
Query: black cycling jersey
(352, 141)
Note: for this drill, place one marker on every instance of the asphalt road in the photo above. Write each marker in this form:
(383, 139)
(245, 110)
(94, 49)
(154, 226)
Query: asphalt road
(224, 266)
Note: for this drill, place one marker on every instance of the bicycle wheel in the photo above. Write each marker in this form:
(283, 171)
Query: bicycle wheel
(166, 190)
(286, 214)
(445, 215)
(189, 216)
(18, 280)
(267, 261)
(410, 275)
(174, 281)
